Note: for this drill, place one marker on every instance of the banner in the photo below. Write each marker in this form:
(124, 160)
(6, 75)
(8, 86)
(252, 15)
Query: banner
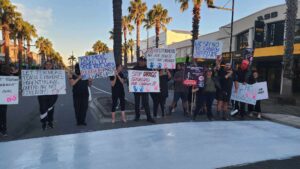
(246, 94)
(143, 81)
(194, 76)
(262, 91)
(43, 82)
(207, 49)
(158, 58)
(9, 90)
(97, 66)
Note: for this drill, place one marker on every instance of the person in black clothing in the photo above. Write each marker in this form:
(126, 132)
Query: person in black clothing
(117, 90)
(254, 78)
(161, 97)
(210, 88)
(80, 95)
(47, 103)
(144, 96)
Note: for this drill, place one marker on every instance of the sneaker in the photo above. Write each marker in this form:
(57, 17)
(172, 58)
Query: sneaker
(259, 116)
(44, 126)
(50, 125)
(151, 120)
(234, 112)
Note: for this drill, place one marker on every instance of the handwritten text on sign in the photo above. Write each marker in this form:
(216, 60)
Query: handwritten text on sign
(97, 66)
(246, 94)
(262, 91)
(207, 49)
(159, 58)
(9, 90)
(194, 76)
(43, 82)
(143, 81)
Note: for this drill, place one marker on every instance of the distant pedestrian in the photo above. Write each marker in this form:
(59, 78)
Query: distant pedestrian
(159, 99)
(254, 78)
(117, 90)
(141, 65)
(46, 103)
(80, 95)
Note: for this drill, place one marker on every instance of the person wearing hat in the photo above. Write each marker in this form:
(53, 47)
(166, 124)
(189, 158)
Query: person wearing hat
(141, 65)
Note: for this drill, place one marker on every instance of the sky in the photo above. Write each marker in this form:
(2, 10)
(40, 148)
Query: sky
(75, 25)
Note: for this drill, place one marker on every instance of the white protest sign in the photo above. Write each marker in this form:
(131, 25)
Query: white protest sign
(262, 90)
(143, 81)
(9, 90)
(207, 49)
(246, 94)
(159, 58)
(97, 66)
(43, 82)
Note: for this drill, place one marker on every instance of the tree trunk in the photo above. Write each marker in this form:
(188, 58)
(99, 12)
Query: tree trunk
(20, 49)
(117, 14)
(196, 20)
(131, 53)
(157, 30)
(137, 39)
(288, 58)
(5, 35)
(29, 57)
(125, 53)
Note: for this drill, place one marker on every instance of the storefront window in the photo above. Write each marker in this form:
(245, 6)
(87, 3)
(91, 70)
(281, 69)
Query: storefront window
(242, 40)
(275, 34)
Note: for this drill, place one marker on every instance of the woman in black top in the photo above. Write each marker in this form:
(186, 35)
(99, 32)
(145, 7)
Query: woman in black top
(80, 95)
(117, 90)
(161, 97)
(47, 103)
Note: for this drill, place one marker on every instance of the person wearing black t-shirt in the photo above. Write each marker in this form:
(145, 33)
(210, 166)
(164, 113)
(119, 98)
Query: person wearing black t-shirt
(117, 90)
(144, 96)
(80, 95)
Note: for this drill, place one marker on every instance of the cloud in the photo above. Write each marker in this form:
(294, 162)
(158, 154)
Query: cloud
(40, 17)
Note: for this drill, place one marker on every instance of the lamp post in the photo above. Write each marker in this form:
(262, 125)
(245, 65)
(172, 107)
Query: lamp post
(231, 32)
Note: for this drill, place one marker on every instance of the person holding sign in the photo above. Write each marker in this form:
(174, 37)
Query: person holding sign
(254, 78)
(47, 103)
(144, 96)
(80, 95)
(117, 90)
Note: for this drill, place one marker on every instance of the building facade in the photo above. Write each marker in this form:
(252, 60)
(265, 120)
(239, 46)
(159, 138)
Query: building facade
(264, 32)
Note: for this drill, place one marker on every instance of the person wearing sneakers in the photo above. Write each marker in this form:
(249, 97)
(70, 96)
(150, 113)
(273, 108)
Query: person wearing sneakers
(117, 91)
(254, 78)
(46, 103)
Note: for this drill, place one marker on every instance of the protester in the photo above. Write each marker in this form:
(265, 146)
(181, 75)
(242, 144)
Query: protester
(80, 95)
(161, 97)
(180, 91)
(225, 76)
(141, 65)
(254, 78)
(200, 101)
(117, 90)
(46, 103)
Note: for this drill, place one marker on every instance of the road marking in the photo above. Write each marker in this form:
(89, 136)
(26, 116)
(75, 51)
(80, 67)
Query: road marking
(101, 90)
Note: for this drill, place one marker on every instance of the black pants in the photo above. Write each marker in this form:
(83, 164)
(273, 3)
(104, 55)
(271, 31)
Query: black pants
(115, 98)
(47, 107)
(241, 107)
(3, 110)
(209, 99)
(145, 103)
(81, 104)
(255, 108)
(158, 100)
(200, 103)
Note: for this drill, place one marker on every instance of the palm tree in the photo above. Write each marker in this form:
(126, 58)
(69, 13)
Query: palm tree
(147, 26)
(117, 14)
(72, 59)
(111, 34)
(126, 27)
(137, 11)
(100, 47)
(196, 16)
(288, 59)
(7, 15)
(87, 53)
(130, 46)
(158, 17)
(45, 47)
(30, 32)
(20, 30)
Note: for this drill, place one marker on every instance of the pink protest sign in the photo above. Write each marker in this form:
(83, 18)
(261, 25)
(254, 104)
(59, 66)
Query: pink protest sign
(143, 81)
(9, 90)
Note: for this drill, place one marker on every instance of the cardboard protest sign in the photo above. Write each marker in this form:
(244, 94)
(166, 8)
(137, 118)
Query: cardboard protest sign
(43, 82)
(159, 58)
(97, 66)
(143, 81)
(194, 76)
(246, 94)
(207, 49)
(262, 91)
(9, 90)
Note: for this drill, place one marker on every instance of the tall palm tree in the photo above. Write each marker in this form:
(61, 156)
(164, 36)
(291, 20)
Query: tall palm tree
(126, 28)
(288, 59)
(45, 47)
(7, 15)
(137, 10)
(30, 32)
(20, 34)
(72, 59)
(100, 47)
(111, 34)
(130, 46)
(196, 16)
(147, 26)
(117, 14)
(158, 17)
